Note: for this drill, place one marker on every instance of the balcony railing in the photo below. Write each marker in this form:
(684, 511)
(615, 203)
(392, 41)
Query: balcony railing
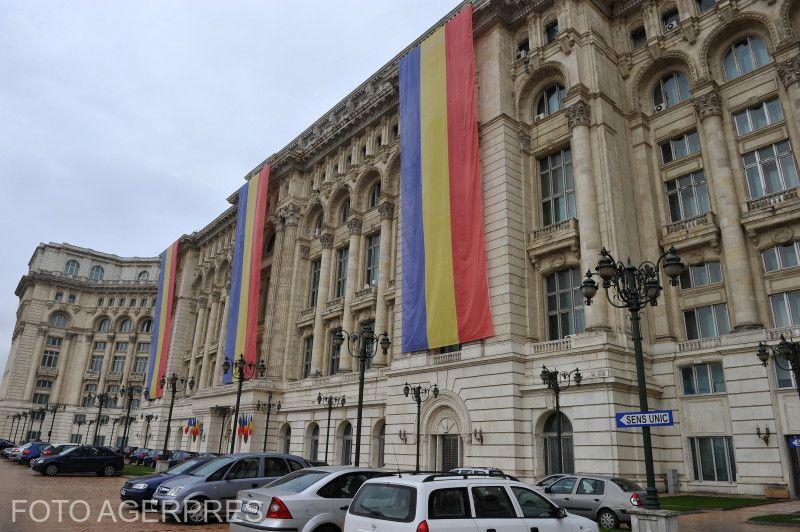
(689, 223)
(551, 346)
(445, 358)
(699, 344)
(771, 200)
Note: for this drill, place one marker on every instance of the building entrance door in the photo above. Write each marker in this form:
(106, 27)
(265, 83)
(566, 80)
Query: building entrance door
(794, 459)
(449, 452)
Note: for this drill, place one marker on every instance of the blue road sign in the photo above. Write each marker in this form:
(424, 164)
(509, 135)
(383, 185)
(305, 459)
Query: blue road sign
(794, 441)
(652, 418)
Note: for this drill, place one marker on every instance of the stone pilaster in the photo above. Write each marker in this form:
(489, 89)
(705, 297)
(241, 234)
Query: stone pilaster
(110, 339)
(64, 366)
(223, 334)
(318, 354)
(386, 211)
(76, 381)
(129, 354)
(41, 334)
(290, 345)
(789, 74)
(282, 286)
(354, 227)
(209, 339)
(198, 335)
(267, 336)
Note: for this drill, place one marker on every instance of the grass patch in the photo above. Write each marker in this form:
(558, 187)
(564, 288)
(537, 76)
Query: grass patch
(777, 518)
(134, 470)
(683, 503)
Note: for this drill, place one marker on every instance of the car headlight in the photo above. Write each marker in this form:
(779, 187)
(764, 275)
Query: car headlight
(139, 486)
(174, 491)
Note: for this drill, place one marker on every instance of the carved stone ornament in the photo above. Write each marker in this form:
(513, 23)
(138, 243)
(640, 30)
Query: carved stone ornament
(354, 226)
(304, 251)
(708, 104)
(579, 114)
(695, 257)
(326, 239)
(42, 331)
(386, 210)
(789, 71)
(783, 235)
(290, 214)
(558, 260)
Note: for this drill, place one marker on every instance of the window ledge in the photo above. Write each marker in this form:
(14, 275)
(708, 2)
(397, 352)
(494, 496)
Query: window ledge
(699, 344)
(765, 130)
(703, 396)
(692, 233)
(700, 289)
(773, 211)
(552, 238)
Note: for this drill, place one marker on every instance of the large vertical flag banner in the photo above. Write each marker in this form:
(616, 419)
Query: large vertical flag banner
(445, 285)
(162, 321)
(242, 327)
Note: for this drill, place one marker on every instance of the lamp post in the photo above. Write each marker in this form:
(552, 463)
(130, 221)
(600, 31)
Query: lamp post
(24, 424)
(222, 411)
(15, 423)
(241, 371)
(41, 413)
(558, 382)
(785, 354)
(88, 428)
(80, 422)
(418, 394)
(130, 393)
(329, 402)
(148, 418)
(173, 384)
(366, 344)
(53, 409)
(13, 418)
(633, 288)
(100, 400)
(269, 407)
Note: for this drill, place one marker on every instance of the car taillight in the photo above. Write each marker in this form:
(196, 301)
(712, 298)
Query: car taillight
(636, 500)
(26, 451)
(278, 510)
(422, 527)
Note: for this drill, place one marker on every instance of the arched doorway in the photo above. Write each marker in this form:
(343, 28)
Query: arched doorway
(346, 447)
(285, 438)
(312, 442)
(446, 445)
(550, 437)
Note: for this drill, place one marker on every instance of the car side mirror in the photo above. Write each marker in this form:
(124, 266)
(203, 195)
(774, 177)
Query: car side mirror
(561, 513)
(548, 489)
(345, 507)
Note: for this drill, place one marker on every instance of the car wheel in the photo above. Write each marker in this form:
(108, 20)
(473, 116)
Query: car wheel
(51, 470)
(195, 512)
(607, 519)
(109, 471)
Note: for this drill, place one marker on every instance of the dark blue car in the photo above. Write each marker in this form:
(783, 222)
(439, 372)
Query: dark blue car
(31, 450)
(141, 489)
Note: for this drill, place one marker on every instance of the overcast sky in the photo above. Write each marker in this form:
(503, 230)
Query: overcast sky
(127, 123)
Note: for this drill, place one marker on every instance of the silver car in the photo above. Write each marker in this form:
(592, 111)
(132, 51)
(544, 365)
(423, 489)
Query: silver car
(310, 500)
(604, 498)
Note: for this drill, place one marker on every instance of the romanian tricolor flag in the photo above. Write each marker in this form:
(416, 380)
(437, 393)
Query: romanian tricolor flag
(445, 286)
(162, 321)
(251, 206)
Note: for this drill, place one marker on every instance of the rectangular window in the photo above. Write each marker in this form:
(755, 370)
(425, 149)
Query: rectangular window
(140, 366)
(705, 5)
(99, 346)
(96, 364)
(372, 259)
(49, 359)
(762, 115)
(135, 404)
(713, 459)
(687, 196)
(79, 418)
(551, 31)
(75, 438)
(701, 275)
(557, 187)
(638, 38)
(117, 364)
(314, 282)
(143, 347)
(308, 350)
(341, 271)
(785, 308)
(564, 303)
(702, 379)
(41, 398)
(706, 322)
(449, 503)
(781, 257)
(71, 298)
(121, 346)
(670, 20)
(133, 301)
(53, 341)
(336, 353)
(59, 296)
(44, 383)
(679, 147)
(770, 169)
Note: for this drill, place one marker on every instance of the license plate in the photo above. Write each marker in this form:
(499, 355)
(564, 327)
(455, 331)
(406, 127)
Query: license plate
(251, 507)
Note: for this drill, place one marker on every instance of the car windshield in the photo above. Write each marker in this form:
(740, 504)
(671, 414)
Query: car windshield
(389, 502)
(26, 446)
(626, 485)
(183, 467)
(213, 466)
(298, 481)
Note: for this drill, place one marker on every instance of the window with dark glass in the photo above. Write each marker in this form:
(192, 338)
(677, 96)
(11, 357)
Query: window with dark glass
(59, 296)
(449, 503)
(140, 365)
(744, 56)
(550, 100)
(341, 272)
(762, 115)
(670, 20)
(713, 459)
(96, 273)
(701, 275)
(705, 5)
(638, 37)
(703, 379)
(781, 257)
(344, 211)
(374, 195)
(336, 354)
(671, 90)
(679, 147)
(706, 322)
(372, 259)
(564, 303)
(551, 31)
(492, 502)
(770, 169)
(532, 504)
(117, 364)
(96, 363)
(687, 196)
(308, 349)
(314, 282)
(557, 187)
(785, 308)
(40, 398)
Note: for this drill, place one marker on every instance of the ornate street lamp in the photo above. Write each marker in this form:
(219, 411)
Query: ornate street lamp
(633, 288)
(100, 400)
(54, 409)
(269, 407)
(39, 414)
(173, 384)
(148, 418)
(366, 345)
(241, 370)
(88, 428)
(223, 411)
(16, 417)
(786, 356)
(130, 393)
(25, 416)
(418, 394)
(329, 402)
(558, 382)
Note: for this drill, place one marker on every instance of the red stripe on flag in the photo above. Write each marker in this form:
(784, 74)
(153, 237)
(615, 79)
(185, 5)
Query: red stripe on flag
(466, 193)
(251, 332)
(162, 367)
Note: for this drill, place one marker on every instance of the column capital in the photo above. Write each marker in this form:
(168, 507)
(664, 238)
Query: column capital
(290, 214)
(579, 114)
(386, 210)
(708, 104)
(41, 331)
(201, 303)
(326, 239)
(789, 71)
(354, 226)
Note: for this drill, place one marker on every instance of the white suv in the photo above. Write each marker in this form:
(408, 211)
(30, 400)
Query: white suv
(433, 503)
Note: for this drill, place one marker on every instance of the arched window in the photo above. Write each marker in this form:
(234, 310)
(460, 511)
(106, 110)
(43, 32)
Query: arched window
(379, 442)
(374, 195)
(143, 276)
(744, 56)
(146, 326)
(126, 325)
(285, 439)
(550, 435)
(344, 211)
(104, 325)
(347, 444)
(671, 90)
(71, 268)
(638, 38)
(96, 273)
(313, 442)
(59, 319)
(318, 224)
(550, 100)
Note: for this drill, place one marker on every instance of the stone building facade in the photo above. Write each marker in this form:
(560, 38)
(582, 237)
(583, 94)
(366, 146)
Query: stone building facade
(632, 125)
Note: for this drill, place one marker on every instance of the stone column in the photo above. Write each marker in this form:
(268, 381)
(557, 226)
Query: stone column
(106, 361)
(789, 74)
(386, 211)
(353, 252)
(744, 314)
(300, 254)
(198, 335)
(223, 334)
(209, 339)
(76, 382)
(269, 317)
(128, 359)
(579, 117)
(326, 239)
(283, 285)
(64, 366)
(36, 357)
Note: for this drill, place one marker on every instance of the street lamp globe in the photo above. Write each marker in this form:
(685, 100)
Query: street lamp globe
(338, 338)
(435, 391)
(262, 367)
(577, 377)
(226, 366)
(406, 390)
(588, 288)
(652, 289)
(385, 343)
(606, 268)
(673, 266)
(783, 349)
(762, 354)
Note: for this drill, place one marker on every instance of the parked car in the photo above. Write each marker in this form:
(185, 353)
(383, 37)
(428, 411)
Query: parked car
(127, 451)
(604, 498)
(180, 456)
(220, 480)
(138, 455)
(415, 503)
(81, 459)
(154, 456)
(29, 451)
(306, 500)
(141, 489)
(4, 443)
(51, 450)
(489, 471)
(6, 453)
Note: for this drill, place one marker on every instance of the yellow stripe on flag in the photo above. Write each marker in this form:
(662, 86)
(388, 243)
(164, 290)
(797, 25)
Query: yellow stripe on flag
(244, 294)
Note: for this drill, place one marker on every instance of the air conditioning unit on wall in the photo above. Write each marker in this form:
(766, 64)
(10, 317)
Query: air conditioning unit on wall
(671, 26)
